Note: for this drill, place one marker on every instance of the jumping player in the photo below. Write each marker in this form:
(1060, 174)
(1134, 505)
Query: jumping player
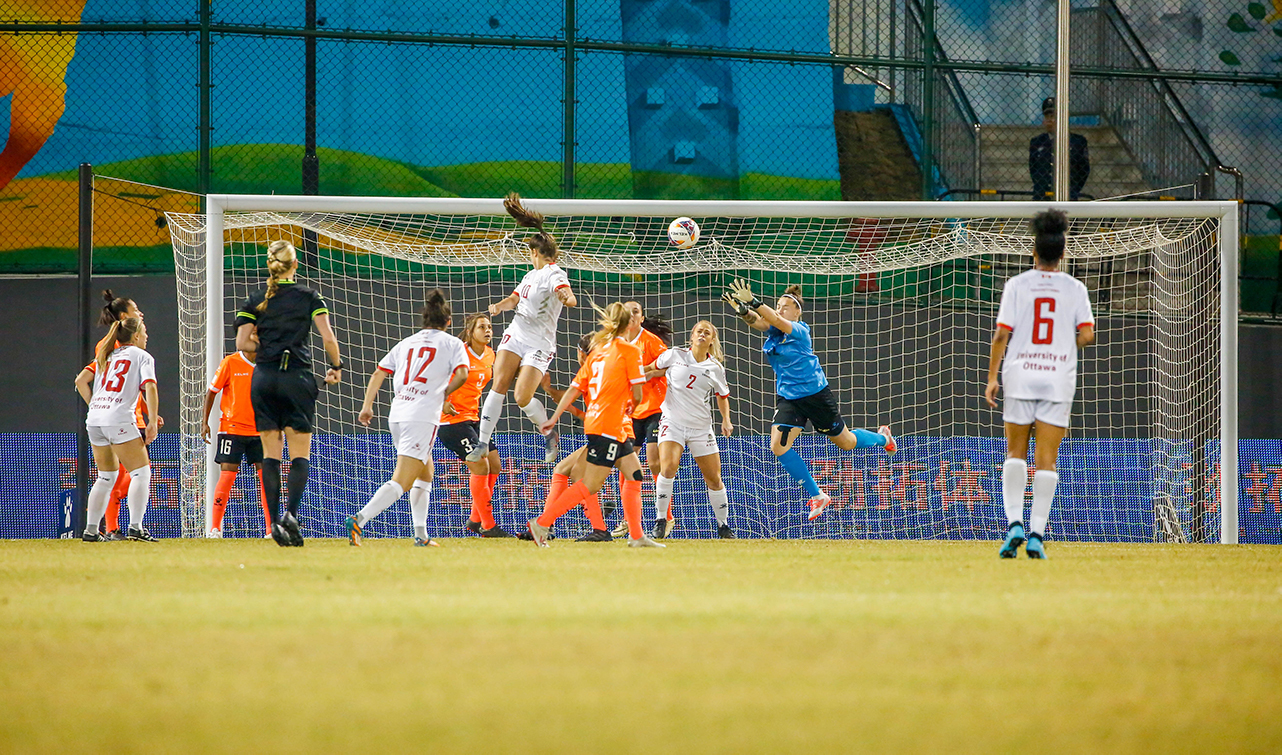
(1044, 319)
(803, 392)
(237, 435)
(122, 373)
(529, 341)
(425, 368)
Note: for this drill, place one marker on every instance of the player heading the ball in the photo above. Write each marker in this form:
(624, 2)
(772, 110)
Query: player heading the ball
(1044, 318)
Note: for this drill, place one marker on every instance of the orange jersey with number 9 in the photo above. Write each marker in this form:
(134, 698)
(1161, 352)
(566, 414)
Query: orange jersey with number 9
(606, 381)
(467, 399)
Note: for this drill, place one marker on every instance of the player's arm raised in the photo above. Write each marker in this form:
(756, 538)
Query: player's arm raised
(745, 313)
(997, 350)
(502, 305)
(567, 398)
(567, 297)
(556, 394)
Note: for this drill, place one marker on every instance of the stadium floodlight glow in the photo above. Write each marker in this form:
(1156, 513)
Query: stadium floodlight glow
(902, 299)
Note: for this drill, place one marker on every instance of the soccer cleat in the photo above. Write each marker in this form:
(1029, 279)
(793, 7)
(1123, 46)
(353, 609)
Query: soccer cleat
(644, 542)
(353, 530)
(290, 524)
(553, 449)
(595, 536)
(1035, 549)
(668, 526)
(538, 533)
(94, 537)
(660, 528)
(620, 529)
(477, 453)
(214, 533)
(280, 535)
(724, 532)
(140, 534)
(473, 527)
(884, 430)
(428, 543)
(495, 532)
(818, 505)
(115, 535)
(1014, 539)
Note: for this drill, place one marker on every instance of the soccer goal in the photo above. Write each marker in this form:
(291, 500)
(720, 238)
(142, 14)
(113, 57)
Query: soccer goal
(901, 298)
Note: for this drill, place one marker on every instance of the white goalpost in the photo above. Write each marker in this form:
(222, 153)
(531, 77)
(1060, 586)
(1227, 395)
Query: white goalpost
(901, 298)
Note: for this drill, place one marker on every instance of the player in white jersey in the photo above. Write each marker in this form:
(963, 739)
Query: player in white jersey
(695, 375)
(425, 368)
(123, 370)
(529, 342)
(1044, 318)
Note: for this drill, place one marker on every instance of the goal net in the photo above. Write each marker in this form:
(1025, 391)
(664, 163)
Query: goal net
(901, 299)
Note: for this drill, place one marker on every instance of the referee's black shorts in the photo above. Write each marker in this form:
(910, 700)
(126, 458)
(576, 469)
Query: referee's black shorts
(283, 399)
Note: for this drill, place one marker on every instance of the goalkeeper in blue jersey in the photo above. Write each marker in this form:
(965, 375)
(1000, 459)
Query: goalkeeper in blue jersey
(802, 387)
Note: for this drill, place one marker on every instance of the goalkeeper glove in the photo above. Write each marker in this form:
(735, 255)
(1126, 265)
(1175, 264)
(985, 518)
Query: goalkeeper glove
(738, 306)
(740, 290)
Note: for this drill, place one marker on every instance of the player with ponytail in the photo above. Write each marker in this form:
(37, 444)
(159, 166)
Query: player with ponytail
(1045, 317)
(802, 387)
(276, 324)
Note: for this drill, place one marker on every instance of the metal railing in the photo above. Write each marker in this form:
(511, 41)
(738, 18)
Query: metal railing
(954, 128)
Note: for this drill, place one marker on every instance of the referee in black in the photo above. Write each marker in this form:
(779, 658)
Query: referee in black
(284, 390)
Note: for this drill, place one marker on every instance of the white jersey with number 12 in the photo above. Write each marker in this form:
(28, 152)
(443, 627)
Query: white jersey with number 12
(420, 368)
(1042, 310)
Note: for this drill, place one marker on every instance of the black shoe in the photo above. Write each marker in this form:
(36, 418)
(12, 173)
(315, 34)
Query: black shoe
(280, 535)
(140, 534)
(290, 525)
(660, 528)
(473, 527)
(93, 537)
(595, 536)
(494, 532)
(115, 535)
(724, 532)
(526, 536)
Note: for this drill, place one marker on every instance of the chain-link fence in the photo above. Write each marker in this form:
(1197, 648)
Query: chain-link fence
(694, 98)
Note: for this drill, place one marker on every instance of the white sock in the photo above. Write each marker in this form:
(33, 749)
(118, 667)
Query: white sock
(98, 497)
(1014, 483)
(720, 501)
(491, 410)
(662, 496)
(388, 493)
(420, 495)
(535, 411)
(1044, 482)
(139, 495)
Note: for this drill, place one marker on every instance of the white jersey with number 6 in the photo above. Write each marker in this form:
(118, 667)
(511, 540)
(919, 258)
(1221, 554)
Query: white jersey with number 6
(420, 368)
(1042, 310)
(116, 389)
(691, 385)
(539, 308)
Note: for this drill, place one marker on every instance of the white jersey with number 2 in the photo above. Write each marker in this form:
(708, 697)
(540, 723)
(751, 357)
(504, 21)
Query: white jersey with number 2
(420, 368)
(116, 389)
(691, 385)
(539, 308)
(1042, 310)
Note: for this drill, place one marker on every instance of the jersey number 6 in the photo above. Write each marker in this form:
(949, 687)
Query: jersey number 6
(1041, 318)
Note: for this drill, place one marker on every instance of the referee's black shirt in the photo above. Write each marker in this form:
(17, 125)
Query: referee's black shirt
(286, 324)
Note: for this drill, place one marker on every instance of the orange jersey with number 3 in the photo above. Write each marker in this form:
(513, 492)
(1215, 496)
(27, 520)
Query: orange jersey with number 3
(606, 381)
(140, 409)
(467, 399)
(235, 373)
(652, 391)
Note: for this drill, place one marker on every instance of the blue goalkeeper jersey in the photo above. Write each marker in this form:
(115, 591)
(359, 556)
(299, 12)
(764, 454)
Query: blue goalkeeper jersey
(792, 357)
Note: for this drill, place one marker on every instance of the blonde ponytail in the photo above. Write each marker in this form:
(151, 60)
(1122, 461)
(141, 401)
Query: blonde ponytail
(281, 260)
(121, 331)
(613, 321)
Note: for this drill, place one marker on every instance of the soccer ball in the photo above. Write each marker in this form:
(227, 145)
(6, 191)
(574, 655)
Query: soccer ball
(683, 233)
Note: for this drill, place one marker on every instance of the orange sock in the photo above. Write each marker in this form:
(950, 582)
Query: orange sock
(576, 494)
(118, 491)
(631, 495)
(262, 496)
(592, 507)
(558, 485)
(481, 500)
(221, 493)
(494, 482)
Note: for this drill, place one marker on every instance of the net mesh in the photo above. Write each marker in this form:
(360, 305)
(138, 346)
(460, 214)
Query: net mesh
(901, 310)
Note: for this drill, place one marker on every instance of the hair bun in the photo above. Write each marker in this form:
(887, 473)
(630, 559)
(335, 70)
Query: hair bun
(1050, 223)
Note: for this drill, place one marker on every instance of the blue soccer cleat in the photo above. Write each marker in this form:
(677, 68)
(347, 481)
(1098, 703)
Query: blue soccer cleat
(1035, 548)
(1014, 539)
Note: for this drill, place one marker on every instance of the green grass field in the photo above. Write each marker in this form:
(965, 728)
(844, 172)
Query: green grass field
(745, 646)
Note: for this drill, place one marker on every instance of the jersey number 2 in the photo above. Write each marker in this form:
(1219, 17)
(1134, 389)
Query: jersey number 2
(1042, 318)
(430, 353)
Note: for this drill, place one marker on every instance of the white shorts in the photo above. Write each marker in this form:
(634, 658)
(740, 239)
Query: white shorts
(1019, 411)
(538, 356)
(112, 435)
(414, 439)
(700, 442)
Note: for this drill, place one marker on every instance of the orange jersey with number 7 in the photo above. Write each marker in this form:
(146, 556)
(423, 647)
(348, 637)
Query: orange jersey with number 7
(606, 381)
(467, 399)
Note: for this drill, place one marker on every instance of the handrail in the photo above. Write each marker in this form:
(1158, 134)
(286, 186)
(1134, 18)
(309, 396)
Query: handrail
(945, 128)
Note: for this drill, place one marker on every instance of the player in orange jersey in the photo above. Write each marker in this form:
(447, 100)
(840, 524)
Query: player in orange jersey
(461, 422)
(237, 435)
(610, 380)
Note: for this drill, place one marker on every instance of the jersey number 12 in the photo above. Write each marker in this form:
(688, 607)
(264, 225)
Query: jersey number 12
(430, 353)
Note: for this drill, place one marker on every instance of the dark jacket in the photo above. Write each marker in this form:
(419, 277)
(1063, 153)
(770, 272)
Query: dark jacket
(1041, 165)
